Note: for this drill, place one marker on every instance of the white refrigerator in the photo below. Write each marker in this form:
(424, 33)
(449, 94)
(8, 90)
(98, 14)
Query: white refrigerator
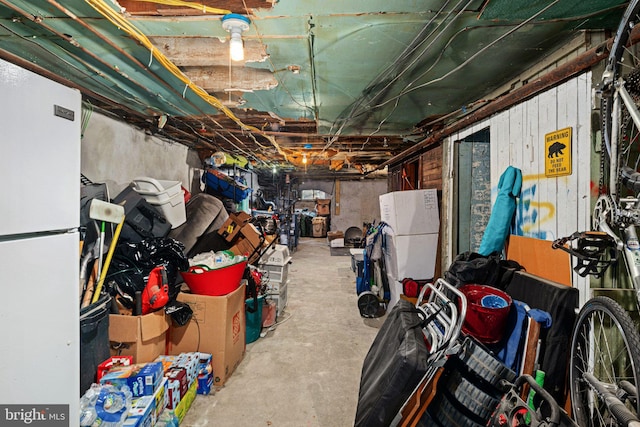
(39, 249)
(411, 241)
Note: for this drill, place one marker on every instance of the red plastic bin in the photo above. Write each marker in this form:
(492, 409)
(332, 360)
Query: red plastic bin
(221, 281)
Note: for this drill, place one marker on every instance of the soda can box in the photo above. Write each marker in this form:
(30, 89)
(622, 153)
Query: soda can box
(146, 410)
(142, 379)
(188, 361)
(173, 393)
(205, 382)
(180, 376)
(204, 363)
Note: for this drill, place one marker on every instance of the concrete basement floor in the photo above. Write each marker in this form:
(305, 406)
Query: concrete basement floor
(305, 372)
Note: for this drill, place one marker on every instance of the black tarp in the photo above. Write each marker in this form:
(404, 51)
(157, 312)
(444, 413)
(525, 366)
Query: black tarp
(393, 367)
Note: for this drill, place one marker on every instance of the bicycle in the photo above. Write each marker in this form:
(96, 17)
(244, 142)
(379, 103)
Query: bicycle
(604, 368)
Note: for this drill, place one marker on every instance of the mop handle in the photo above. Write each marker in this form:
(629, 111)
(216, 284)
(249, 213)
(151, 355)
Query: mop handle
(102, 232)
(112, 248)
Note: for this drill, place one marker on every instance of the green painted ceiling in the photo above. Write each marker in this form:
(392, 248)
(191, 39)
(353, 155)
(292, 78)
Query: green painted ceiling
(366, 72)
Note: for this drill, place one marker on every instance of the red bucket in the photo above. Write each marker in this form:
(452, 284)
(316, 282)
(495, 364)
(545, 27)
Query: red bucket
(486, 321)
(221, 281)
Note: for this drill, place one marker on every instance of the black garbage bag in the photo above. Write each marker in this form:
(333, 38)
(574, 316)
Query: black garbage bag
(180, 312)
(133, 261)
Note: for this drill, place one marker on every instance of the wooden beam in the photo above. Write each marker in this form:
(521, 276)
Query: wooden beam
(205, 51)
(225, 79)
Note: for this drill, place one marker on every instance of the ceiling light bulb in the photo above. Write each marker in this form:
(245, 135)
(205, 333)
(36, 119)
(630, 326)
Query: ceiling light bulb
(304, 159)
(236, 47)
(235, 24)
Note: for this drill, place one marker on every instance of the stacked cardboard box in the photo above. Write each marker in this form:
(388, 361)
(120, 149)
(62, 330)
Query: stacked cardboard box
(170, 382)
(217, 327)
(244, 236)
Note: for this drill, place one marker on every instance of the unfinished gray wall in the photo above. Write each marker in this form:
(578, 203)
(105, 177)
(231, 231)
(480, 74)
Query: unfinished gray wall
(359, 201)
(115, 153)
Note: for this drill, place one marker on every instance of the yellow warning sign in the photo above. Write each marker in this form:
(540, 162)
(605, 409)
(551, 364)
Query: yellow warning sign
(558, 153)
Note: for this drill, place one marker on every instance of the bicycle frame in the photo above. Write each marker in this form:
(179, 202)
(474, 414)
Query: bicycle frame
(626, 210)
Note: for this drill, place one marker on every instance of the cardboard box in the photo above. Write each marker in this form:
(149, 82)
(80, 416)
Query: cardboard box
(319, 224)
(411, 212)
(142, 337)
(217, 327)
(146, 410)
(323, 206)
(173, 393)
(142, 379)
(183, 407)
(232, 226)
(332, 235)
(178, 375)
(247, 242)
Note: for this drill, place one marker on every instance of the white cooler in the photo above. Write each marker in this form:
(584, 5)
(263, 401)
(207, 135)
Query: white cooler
(167, 196)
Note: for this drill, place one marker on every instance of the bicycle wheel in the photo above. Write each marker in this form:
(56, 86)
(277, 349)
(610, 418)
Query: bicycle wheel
(620, 133)
(605, 344)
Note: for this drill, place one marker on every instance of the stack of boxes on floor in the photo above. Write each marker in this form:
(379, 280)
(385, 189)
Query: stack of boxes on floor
(322, 222)
(275, 264)
(157, 393)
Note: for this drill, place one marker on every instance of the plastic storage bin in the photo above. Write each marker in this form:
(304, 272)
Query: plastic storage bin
(277, 255)
(280, 298)
(167, 196)
(276, 273)
(225, 186)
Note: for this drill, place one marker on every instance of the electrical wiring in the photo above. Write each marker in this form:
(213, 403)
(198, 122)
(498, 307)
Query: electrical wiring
(192, 5)
(123, 24)
(366, 107)
(410, 88)
(280, 82)
(399, 67)
(467, 61)
(51, 49)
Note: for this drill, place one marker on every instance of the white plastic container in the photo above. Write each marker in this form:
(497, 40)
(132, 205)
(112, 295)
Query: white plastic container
(167, 196)
(277, 255)
(280, 298)
(276, 273)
